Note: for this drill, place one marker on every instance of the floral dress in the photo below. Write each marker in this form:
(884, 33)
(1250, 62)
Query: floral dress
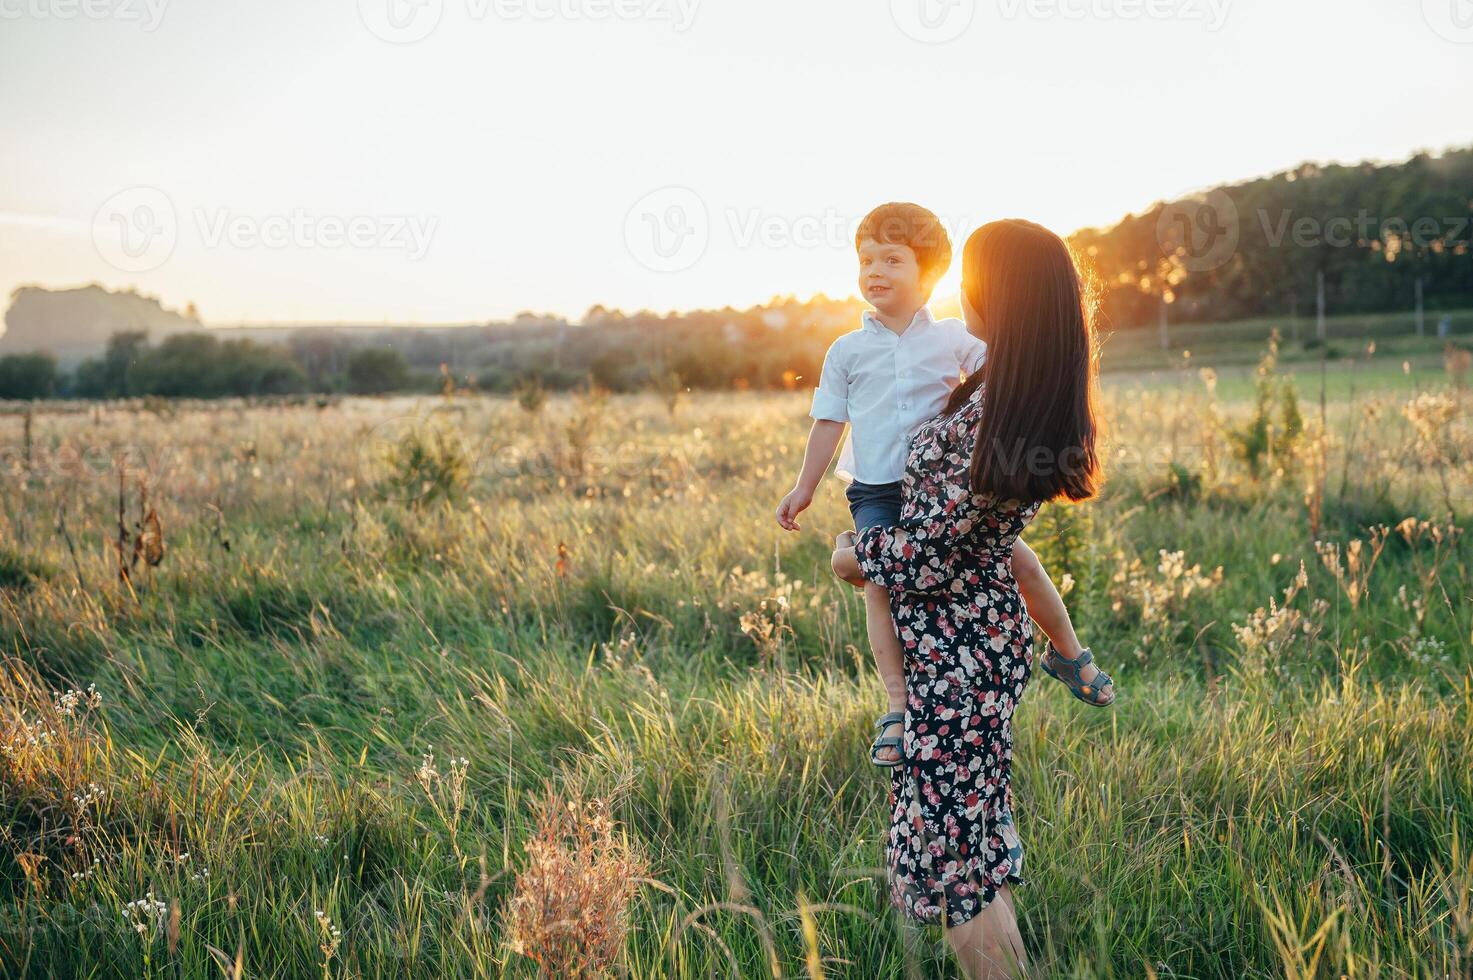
(968, 652)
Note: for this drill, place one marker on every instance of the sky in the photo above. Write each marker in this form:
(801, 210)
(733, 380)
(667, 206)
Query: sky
(444, 161)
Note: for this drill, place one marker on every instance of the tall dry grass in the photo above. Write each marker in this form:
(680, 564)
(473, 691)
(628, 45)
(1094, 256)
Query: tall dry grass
(337, 711)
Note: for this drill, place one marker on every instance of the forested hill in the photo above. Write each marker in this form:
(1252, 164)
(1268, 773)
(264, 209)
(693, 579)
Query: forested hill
(1257, 248)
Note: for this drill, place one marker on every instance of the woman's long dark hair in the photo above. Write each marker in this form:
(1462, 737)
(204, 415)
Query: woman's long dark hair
(1036, 440)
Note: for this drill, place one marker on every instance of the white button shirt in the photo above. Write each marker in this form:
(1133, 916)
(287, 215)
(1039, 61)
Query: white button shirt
(885, 385)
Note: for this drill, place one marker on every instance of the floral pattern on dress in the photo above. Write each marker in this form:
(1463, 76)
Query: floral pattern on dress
(968, 651)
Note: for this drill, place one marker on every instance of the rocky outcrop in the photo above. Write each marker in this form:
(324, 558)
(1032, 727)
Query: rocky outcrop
(77, 322)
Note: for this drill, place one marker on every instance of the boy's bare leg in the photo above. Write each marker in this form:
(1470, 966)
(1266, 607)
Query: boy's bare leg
(884, 644)
(889, 660)
(1047, 609)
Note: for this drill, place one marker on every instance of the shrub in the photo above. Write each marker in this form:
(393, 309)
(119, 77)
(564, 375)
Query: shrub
(1182, 483)
(27, 376)
(1265, 438)
(570, 908)
(530, 394)
(376, 371)
(427, 465)
(49, 767)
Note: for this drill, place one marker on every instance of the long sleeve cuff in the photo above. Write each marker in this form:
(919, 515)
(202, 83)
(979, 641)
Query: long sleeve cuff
(889, 556)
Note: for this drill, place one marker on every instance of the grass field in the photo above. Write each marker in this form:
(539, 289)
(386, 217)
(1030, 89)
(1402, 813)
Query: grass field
(1237, 343)
(324, 722)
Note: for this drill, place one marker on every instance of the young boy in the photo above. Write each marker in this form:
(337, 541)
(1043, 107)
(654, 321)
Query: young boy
(884, 380)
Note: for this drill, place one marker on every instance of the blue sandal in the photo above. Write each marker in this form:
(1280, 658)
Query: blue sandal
(885, 721)
(1073, 681)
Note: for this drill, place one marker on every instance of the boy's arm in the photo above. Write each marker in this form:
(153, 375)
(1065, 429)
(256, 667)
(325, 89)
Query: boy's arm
(1045, 605)
(823, 440)
(830, 413)
(971, 353)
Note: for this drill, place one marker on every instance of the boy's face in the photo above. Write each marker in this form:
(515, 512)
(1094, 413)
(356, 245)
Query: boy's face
(890, 278)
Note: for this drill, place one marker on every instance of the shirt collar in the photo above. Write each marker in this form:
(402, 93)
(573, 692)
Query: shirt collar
(923, 318)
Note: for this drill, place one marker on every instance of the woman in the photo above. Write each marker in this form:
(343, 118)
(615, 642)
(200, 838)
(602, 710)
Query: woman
(1018, 433)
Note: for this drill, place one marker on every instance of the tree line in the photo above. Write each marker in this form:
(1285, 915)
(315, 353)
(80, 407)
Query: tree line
(773, 345)
(1368, 238)
(1373, 234)
(194, 365)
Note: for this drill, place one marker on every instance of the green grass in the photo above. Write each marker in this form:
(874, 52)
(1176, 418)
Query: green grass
(1237, 343)
(607, 607)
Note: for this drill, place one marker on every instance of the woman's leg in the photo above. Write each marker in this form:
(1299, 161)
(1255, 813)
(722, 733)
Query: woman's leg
(988, 945)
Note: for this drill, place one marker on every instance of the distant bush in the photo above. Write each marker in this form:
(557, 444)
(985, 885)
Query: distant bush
(495, 380)
(531, 395)
(1331, 352)
(376, 371)
(109, 376)
(254, 369)
(27, 376)
(190, 365)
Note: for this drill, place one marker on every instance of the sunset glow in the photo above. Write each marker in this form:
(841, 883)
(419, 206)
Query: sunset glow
(326, 162)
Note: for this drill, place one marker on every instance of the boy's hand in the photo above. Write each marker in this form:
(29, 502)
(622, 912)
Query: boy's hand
(792, 505)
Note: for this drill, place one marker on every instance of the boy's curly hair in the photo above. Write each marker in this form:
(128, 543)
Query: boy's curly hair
(902, 223)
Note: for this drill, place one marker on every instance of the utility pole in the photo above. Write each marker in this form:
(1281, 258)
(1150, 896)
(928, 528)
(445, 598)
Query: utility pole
(1319, 326)
(1165, 337)
(1421, 313)
(1294, 315)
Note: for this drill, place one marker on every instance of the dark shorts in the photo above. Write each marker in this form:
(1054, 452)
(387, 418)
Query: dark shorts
(874, 504)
